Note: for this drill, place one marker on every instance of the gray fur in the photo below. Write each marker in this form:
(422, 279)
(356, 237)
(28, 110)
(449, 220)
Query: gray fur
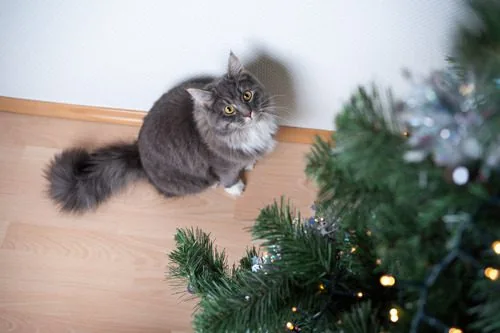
(186, 144)
(80, 180)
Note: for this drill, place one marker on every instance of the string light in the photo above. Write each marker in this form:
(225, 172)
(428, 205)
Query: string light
(322, 287)
(455, 330)
(379, 261)
(393, 313)
(368, 232)
(290, 326)
(491, 273)
(496, 246)
(359, 294)
(387, 280)
(405, 133)
(353, 249)
(394, 319)
(294, 309)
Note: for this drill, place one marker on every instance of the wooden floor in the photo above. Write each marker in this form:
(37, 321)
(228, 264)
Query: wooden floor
(105, 271)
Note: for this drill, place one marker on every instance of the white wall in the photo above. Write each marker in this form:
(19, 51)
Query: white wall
(125, 53)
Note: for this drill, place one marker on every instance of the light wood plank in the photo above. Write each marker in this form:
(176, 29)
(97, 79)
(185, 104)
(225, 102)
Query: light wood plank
(105, 271)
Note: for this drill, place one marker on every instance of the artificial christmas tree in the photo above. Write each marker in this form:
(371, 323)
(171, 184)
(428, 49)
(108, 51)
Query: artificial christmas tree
(406, 231)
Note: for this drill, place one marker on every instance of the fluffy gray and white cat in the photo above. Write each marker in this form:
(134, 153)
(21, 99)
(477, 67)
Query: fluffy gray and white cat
(199, 134)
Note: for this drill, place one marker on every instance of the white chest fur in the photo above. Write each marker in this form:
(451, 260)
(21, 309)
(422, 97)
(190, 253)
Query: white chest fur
(255, 138)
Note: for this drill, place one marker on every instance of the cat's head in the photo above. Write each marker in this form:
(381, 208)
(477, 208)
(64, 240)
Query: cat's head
(235, 101)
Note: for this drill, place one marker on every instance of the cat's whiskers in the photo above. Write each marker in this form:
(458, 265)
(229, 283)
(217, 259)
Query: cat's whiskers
(279, 107)
(277, 116)
(276, 95)
(269, 100)
(273, 109)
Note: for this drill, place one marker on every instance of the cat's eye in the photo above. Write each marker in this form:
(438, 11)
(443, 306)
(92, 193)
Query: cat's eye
(247, 96)
(229, 110)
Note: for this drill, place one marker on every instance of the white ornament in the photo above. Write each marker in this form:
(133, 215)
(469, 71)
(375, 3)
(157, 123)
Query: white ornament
(414, 156)
(445, 133)
(472, 148)
(460, 175)
(256, 268)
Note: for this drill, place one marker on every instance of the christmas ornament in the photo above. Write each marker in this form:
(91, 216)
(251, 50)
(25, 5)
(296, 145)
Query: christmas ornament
(265, 262)
(190, 289)
(460, 175)
(446, 118)
(321, 225)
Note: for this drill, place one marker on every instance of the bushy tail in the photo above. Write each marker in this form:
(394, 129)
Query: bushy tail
(80, 180)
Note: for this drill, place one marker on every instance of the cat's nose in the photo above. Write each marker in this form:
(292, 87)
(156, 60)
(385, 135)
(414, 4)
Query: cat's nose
(248, 117)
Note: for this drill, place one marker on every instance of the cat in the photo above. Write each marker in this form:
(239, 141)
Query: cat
(200, 134)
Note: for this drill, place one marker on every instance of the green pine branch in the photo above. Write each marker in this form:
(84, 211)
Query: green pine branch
(311, 252)
(360, 319)
(479, 47)
(365, 183)
(240, 300)
(487, 310)
(196, 260)
(249, 302)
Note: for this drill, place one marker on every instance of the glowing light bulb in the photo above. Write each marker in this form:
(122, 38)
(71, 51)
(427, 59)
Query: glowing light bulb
(368, 232)
(491, 273)
(294, 309)
(360, 294)
(455, 330)
(322, 287)
(290, 326)
(394, 319)
(353, 249)
(379, 261)
(496, 247)
(393, 315)
(387, 280)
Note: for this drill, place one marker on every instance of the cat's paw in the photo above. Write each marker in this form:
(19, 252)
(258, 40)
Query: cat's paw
(250, 167)
(215, 185)
(237, 189)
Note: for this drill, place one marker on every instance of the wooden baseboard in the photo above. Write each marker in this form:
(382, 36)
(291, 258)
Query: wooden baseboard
(127, 117)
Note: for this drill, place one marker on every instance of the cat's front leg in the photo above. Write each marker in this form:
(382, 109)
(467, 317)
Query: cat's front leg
(236, 189)
(250, 166)
(232, 182)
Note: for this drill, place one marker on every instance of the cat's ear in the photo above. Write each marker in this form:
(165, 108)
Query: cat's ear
(200, 96)
(234, 66)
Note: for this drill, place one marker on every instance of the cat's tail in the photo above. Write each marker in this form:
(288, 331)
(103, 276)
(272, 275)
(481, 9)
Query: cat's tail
(79, 180)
